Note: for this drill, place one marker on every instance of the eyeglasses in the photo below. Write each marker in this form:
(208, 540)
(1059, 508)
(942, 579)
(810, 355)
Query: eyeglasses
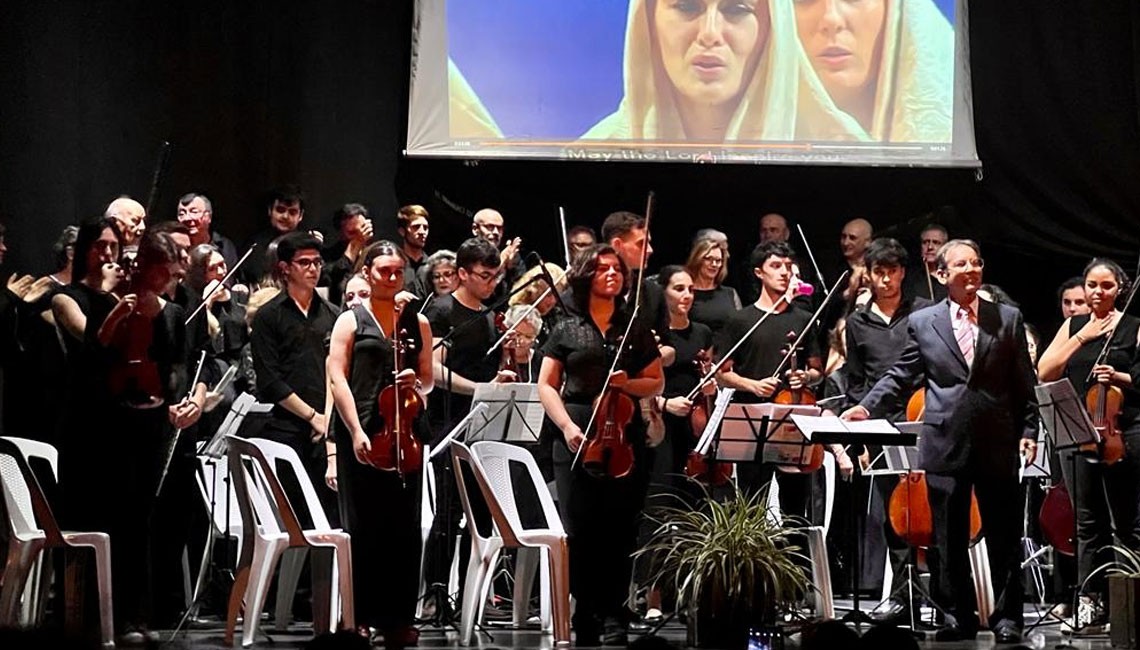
(443, 275)
(490, 226)
(962, 265)
(714, 261)
(192, 212)
(485, 276)
(309, 262)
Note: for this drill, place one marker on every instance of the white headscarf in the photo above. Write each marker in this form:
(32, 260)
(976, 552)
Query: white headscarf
(648, 111)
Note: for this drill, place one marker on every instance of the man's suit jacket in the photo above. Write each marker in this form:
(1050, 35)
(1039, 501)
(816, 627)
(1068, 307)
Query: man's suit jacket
(976, 415)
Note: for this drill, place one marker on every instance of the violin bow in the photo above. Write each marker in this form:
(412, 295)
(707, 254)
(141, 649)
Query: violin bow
(156, 181)
(811, 323)
(565, 235)
(728, 355)
(625, 336)
(178, 432)
(219, 285)
(811, 256)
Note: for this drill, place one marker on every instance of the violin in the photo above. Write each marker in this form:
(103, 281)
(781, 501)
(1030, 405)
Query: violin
(1104, 403)
(607, 453)
(910, 515)
(395, 447)
(802, 395)
(696, 466)
(135, 378)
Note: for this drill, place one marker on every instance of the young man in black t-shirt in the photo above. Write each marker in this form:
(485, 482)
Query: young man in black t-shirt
(752, 367)
(463, 330)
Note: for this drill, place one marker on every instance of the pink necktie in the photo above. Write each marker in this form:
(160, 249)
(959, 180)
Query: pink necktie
(965, 334)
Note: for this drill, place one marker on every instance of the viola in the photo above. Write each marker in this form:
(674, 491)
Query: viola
(910, 515)
(696, 465)
(802, 395)
(608, 453)
(395, 447)
(1104, 403)
(1056, 520)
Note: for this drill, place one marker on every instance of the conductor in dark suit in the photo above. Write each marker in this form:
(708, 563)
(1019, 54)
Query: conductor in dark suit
(971, 357)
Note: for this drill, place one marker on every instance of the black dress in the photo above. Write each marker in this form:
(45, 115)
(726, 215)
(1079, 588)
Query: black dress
(713, 307)
(379, 509)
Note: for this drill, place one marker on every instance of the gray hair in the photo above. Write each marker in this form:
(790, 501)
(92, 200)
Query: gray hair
(518, 313)
(187, 198)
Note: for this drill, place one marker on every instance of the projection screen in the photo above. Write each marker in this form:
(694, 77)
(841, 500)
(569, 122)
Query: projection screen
(836, 82)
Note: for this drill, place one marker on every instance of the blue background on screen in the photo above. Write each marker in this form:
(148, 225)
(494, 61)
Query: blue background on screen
(542, 68)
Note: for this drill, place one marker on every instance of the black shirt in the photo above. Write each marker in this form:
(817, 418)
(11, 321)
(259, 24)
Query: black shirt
(466, 353)
(873, 346)
(289, 349)
(684, 373)
(1121, 356)
(714, 307)
(761, 353)
(228, 250)
(914, 285)
(586, 355)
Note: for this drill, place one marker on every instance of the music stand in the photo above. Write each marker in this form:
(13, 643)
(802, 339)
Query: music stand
(1067, 427)
(514, 413)
(830, 430)
(763, 433)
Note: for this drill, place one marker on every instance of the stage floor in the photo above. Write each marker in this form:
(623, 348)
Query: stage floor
(204, 635)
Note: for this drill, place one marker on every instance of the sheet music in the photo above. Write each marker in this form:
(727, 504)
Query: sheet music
(809, 424)
(723, 399)
(515, 413)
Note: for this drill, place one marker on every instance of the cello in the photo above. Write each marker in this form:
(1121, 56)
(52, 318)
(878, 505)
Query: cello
(395, 448)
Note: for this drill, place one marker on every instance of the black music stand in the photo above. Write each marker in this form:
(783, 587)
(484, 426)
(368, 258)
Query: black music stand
(830, 430)
(1068, 428)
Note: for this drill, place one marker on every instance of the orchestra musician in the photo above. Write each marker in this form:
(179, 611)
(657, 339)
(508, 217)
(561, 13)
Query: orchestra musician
(875, 335)
(1104, 489)
(971, 357)
(750, 369)
(380, 509)
(600, 513)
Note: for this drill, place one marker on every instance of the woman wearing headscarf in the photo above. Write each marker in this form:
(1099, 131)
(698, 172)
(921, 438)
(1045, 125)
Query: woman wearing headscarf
(874, 70)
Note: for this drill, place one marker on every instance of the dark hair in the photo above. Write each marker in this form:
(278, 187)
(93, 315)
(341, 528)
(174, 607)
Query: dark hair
(169, 228)
(667, 272)
(773, 248)
(156, 247)
(1031, 331)
(583, 230)
(409, 213)
(620, 224)
(65, 240)
(1075, 282)
(885, 251)
(940, 261)
(477, 250)
(828, 635)
(89, 233)
(581, 275)
(935, 226)
(1000, 297)
(289, 243)
(888, 637)
(199, 259)
(190, 196)
(377, 249)
(1122, 282)
(348, 211)
(285, 194)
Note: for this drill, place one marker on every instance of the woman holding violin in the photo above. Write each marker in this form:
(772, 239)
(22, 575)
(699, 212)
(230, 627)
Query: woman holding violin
(380, 367)
(600, 512)
(1097, 353)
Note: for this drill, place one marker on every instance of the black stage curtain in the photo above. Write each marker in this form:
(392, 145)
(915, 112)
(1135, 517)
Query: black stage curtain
(257, 93)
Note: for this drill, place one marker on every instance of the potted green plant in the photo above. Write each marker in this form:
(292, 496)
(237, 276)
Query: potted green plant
(1123, 596)
(730, 561)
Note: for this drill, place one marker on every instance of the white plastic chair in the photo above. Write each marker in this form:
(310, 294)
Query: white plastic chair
(32, 527)
(222, 506)
(493, 487)
(269, 527)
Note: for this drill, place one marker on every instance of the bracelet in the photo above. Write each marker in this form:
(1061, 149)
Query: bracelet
(330, 455)
(311, 415)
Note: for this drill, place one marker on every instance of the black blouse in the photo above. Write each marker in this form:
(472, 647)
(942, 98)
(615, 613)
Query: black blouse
(1121, 355)
(586, 355)
(714, 307)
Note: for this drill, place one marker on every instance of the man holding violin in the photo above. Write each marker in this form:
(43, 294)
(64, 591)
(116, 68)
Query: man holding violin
(972, 359)
(754, 367)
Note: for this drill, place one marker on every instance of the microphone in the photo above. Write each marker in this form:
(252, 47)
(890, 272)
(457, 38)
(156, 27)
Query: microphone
(550, 281)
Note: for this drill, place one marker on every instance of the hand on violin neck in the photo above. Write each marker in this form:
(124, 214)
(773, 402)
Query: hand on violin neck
(406, 378)
(1104, 373)
(618, 379)
(855, 413)
(797, 379)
